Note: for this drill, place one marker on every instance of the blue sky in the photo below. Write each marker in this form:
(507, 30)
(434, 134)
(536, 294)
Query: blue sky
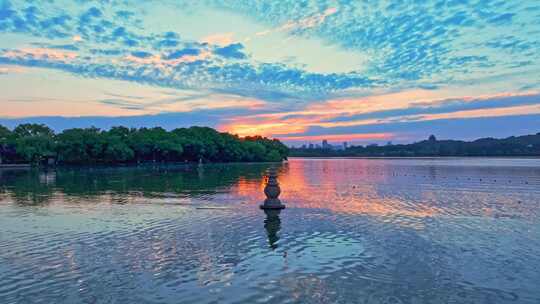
(362, 71)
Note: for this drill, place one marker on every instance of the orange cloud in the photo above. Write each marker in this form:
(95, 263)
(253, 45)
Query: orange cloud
(392, 101)
(321, 115)
(221, 39)
(496, 112)
(290, 122)
(11, 69)
(354, 106)
(269, 128)
(68, 108)
(42, 53)
(186, 106)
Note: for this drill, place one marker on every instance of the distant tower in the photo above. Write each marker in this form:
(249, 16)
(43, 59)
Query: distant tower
(325, 144)
(432, 138)
(345, 145)
(311, 146)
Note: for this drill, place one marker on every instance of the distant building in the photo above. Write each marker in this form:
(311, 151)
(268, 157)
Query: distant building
(345, 145)
(311, 146)
(389, 143)
(325, 144)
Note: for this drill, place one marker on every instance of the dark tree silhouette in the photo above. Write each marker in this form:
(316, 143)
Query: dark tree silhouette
(528, 145)
(119, 145)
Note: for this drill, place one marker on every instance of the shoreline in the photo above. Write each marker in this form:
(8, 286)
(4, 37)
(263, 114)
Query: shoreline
(133, 165)
(15, 166)
(414, 157)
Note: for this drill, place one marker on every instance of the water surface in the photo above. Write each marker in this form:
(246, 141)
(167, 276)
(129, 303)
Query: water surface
(354, 231)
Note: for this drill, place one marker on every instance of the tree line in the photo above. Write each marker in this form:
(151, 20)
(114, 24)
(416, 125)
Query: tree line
(527, 145)
(39, 144)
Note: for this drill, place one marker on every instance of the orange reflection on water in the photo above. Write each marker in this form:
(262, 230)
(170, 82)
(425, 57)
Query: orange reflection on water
(340, 186)
(252, 189)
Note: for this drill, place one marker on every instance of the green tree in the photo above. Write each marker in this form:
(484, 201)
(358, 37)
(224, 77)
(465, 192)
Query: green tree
(34, 142)
(273, 156)
(27, 130)
(122, 132)
(117, 151)
(81, 146)
(271, 145)
(35, 149)
(5, 135)
(123, 145)
(254, 151)
(155, 144)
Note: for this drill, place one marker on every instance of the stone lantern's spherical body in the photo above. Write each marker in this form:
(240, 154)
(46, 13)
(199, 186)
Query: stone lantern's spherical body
(272, 192)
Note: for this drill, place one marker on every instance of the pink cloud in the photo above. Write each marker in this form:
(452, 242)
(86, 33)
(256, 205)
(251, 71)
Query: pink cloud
(302, 24)
(250, 104)
(221, 39)
(11, 69)
(159, 61)
(281, 124)
(42, 53)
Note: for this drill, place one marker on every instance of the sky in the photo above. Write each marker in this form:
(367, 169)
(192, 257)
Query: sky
(297, 70)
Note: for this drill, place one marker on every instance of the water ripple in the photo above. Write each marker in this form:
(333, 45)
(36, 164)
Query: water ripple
(367, 231)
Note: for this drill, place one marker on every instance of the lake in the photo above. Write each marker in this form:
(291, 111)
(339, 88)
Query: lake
(441, 230)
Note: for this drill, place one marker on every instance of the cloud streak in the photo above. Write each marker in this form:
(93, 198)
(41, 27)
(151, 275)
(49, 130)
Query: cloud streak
(371, 111)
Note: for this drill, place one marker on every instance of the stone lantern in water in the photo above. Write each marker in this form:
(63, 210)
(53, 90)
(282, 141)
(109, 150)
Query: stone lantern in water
(272, 192)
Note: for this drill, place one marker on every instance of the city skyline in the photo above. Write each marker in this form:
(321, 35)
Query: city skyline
(300, 71)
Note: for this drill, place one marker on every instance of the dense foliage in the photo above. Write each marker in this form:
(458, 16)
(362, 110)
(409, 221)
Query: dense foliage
(528, 145)
(39, 144)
